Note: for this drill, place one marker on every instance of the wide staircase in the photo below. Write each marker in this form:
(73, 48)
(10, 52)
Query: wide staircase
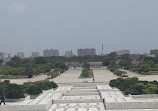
(81, 97)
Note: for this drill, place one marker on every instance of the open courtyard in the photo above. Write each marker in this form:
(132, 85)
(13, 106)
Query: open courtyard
(74, 94)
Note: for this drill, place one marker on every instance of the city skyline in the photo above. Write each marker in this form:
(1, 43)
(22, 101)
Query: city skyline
(69, 25)
(62, 52)
(70, 53)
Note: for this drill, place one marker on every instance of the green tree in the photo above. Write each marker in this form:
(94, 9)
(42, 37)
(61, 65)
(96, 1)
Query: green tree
(40, 60)
(86, 65)
(34, 89)
(28, 71)
(107, 60)
(14, 91)
(1, 61)
(144, 68)
(153, 89)
(125, 64)
(140, 87)
(125, 57)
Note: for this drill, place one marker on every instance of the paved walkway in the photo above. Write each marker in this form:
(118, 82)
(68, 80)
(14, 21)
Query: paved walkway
(72, 76)
(103, 75)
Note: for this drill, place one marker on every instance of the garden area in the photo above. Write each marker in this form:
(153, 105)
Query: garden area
(120, 73)
(55, 72)
(134, 86)
(27, 68)
(87, 73)
(142, 65)
(14, 91)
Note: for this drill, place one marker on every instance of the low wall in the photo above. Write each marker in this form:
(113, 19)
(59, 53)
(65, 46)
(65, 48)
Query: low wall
(78, 101)
(21, 99)
(42, 105)
(23, 108)
(131, 105)
(80, 93)
(145, 96)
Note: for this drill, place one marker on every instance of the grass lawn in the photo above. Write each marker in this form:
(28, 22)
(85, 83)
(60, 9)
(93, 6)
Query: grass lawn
(87, 73)
(34, 96)
(149, 73)
(12, 77)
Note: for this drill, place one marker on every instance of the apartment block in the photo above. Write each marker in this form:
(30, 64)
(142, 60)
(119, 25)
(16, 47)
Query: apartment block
(21, 55)
(69, 54)
(1, 55)
(86, 52)
(122, 52)
(154, 52)
(35, 54)
(50, 52)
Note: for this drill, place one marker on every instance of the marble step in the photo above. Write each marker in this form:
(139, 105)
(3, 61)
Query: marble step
(78, 101)
(80, 93)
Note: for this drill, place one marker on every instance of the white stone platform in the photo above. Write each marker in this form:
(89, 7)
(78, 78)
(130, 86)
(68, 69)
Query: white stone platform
(41, 103)
(80, 97)
(83, 97)
(114, 99)
(78, 107)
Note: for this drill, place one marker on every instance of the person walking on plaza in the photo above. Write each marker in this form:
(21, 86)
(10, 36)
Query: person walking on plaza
(93, 80)
(2, 97)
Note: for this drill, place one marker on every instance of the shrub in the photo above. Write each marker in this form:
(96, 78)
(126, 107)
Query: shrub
(133, 86)
(112, 68)
(14, 91)
(120, 73)
(34, 89)
(43, 84)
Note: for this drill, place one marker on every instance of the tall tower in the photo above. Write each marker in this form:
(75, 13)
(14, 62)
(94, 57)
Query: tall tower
(102, 53)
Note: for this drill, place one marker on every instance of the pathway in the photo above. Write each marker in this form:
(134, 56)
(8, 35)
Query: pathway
(72, 76)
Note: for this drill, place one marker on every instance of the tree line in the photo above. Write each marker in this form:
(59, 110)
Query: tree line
(134, 86)
(14, 91)
(143, 65)
(32, 66)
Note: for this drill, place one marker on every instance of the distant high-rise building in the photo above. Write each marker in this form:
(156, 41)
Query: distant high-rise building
(69, 54)
(50, 52)
(21, 55)
(9, 57)
(1, 55)
(35, 54)
(122, 52)
(86, 52)
(154, 52)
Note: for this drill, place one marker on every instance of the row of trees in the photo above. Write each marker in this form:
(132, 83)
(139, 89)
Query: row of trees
(32, 66)
(134, 86)
(26, 71)
(144, 66)
(17, 62)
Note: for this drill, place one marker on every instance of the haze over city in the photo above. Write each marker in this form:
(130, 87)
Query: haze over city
(71, 24)
(78, 55)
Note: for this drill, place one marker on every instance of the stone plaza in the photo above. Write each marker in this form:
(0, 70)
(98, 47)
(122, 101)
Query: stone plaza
(84, 96)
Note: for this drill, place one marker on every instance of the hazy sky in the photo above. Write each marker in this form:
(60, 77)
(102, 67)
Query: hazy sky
(34, 25)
